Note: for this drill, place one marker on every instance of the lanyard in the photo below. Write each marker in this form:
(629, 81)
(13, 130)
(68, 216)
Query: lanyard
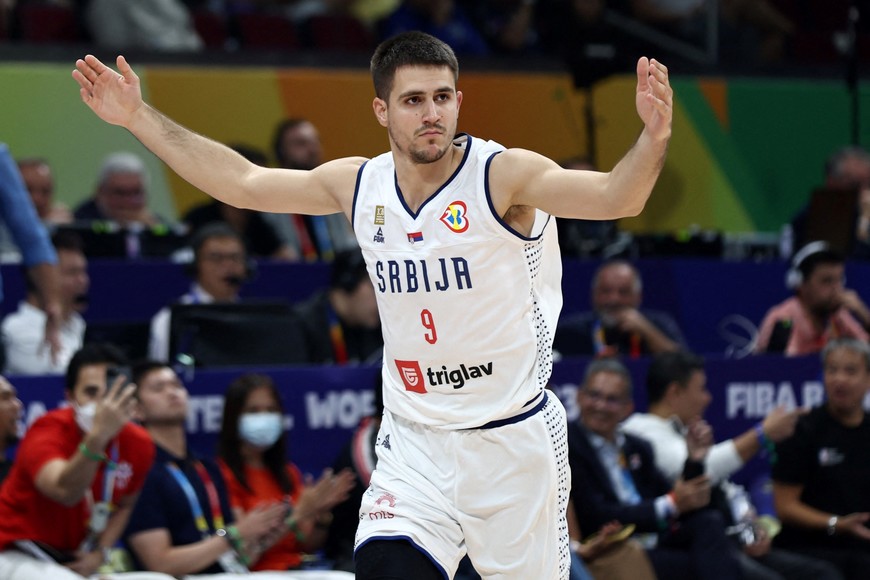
(229, 561)
(600, 343)
(195, 507)
(100, 512)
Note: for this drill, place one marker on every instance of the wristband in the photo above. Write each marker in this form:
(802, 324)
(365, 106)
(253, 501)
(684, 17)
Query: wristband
(768, 447)
(83, 449)
(237, 544)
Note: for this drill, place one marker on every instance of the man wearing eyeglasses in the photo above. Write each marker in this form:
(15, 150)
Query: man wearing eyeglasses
(219, 267)
(615, 478)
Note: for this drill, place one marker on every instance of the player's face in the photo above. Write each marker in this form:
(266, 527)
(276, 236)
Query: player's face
(422, 112)
(604, 403)
(162, 397)
(847, 380)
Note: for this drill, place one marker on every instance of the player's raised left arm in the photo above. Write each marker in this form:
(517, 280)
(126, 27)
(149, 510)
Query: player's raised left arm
(524, 178)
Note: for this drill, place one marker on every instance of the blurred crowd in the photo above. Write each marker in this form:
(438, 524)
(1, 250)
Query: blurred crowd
(593, 37)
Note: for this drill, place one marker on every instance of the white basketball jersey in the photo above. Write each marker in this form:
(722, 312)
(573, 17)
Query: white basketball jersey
(468, 306)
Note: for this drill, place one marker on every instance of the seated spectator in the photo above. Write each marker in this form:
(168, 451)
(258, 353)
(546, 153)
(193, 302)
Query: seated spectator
(182, 523)
(296, 145)
(21, 331)
(253, 460)
(76, 477)
(846, 169)
(121, 193)
(443, 19)
(341, 324)
(821, 308)
(617, 324)
(584, 238)
(261, 237)
(37, 253)
(39, 181)
(678, 396)
(11, 411)
(220, 266)
(614, 478)
(162, 25)
(820, 478)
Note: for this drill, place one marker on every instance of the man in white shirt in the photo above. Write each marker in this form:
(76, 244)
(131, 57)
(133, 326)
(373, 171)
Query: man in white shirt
(27, 353)
(678, 396)
(219, 267)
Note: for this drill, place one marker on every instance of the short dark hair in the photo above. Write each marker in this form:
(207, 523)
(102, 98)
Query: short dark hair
(230, 442)
(143, 367)
(408, 49)
(94, 353)
(823, 257)
(670, 367)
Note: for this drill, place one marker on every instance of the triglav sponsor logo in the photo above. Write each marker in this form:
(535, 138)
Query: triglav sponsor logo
(413, 377)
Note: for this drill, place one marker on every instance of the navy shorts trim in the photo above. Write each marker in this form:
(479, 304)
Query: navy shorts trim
(516, 418)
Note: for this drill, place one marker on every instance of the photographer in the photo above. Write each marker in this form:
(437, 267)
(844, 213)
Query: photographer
(76, 477)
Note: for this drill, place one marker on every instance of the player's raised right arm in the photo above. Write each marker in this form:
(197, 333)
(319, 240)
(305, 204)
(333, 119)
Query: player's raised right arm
(116, 98)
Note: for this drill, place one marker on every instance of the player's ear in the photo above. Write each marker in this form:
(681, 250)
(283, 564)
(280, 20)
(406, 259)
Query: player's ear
(379, 106)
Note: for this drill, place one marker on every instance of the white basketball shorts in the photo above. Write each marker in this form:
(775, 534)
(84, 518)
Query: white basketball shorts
(498, 493)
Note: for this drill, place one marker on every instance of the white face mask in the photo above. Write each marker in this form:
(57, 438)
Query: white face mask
(85, 415)
(261, 429)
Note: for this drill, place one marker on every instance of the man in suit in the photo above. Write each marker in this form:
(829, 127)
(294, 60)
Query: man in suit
(615, 478)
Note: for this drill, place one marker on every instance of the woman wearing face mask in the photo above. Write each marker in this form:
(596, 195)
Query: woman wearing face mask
(253, 458)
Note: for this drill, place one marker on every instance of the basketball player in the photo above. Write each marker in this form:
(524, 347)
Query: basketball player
(461, 248)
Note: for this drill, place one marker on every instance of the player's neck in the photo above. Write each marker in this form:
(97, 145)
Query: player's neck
(418, 181)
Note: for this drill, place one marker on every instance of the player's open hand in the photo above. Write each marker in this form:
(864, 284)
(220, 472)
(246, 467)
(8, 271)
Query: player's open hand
(113, 96)
(654, 99)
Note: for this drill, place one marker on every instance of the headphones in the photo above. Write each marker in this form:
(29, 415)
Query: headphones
(794, 277)
(216, 230)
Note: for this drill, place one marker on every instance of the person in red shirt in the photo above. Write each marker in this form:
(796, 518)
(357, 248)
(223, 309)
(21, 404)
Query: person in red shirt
(253, 460)
(77, 474)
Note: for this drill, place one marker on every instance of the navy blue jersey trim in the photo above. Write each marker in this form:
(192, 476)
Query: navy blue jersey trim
(497, 217)
(356, 194)
(440, 189)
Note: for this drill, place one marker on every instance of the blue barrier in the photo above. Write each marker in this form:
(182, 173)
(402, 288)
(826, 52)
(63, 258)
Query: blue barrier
(700, 293)
(324, 404)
